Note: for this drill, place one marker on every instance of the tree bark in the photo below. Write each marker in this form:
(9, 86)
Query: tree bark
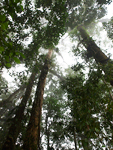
(85, 144)
(91, 46)
(74, 134)
(15, 127)
(32, 137)
(47, 130)
(94, 51)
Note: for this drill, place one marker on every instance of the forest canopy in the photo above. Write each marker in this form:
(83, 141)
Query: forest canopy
(48, 105)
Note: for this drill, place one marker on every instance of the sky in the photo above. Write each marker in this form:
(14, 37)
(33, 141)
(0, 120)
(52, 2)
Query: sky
(110, 11)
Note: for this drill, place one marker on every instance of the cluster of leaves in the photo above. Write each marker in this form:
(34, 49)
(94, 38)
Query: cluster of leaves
(109, 28)
(53, 115)
(87, 105)
(43, 22)
(9, 49)
(41, 25)
(85, 13)
(104, 1)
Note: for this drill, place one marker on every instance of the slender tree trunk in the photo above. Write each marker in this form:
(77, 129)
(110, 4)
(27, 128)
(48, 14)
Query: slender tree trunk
(94, 51)
(15, 127)
(32, 138)
(74, 133)
(47, 130)
(74, 125)
(85, 145)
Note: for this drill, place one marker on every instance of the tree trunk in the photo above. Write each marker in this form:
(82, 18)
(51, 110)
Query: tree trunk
(32, 138)
(94, 51)
(85, 144)
(74, 125)
(47, 130)
(15, 127)
(74, 133)
(91, 46)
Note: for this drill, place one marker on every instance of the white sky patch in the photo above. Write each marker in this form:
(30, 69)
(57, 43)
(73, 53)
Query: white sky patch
(110, 11)
(65, 47)
(17, 68)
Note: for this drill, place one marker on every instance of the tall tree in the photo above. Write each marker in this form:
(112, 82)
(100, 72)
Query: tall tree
(33, 130)
(86, 102)
(16, 121)
(94, 51)
(84, 22)
(44, 34)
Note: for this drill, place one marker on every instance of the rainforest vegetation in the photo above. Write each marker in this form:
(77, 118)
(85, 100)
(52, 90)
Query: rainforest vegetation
(44, 104)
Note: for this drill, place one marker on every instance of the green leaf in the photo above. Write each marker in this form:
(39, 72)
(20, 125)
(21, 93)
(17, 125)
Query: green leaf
(8, 65)
(6, 25)
(2, 18)
(16, 1)
(1, 49)
(7, 58)
(97, 130)
(11, 54)
(22, 55)
(11, 44)
(21, 7)
(3, 27)
(16, 60)
(17, 53)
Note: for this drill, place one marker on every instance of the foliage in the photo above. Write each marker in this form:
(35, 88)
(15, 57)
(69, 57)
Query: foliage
(81, 111)
(4, 85)
(85, 13)
(87, 105)
(109, 28)
(30, 22)
(104, 1)
(53, 115)
(9, 48)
